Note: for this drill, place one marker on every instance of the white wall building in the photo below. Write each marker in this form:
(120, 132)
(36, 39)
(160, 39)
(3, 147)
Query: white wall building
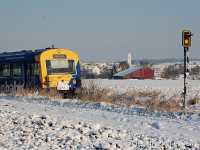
(159, 68)
(129, 61)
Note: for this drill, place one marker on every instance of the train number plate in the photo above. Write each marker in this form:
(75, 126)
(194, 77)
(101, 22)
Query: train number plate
(62, 86)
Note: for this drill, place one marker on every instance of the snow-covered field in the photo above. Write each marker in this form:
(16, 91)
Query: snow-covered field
(166, 87)
(39, 123)
(31, 123)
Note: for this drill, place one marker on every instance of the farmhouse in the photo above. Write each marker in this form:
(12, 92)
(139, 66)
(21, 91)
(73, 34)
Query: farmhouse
(135, 73)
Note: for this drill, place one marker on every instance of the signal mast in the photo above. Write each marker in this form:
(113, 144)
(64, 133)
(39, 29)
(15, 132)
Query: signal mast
(186, 43)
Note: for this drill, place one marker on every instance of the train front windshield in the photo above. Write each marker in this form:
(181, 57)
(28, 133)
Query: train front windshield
(60, 67)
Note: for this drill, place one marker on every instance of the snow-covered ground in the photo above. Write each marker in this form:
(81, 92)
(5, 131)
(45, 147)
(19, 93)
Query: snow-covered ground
(166, 87)
(34, 122)
(37, 123)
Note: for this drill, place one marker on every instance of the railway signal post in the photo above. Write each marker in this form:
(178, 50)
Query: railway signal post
(186, 43)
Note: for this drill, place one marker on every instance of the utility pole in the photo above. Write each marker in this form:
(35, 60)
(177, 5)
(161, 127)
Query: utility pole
(186, 43)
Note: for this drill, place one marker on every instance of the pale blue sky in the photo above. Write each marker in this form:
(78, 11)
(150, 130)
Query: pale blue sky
(101, 29)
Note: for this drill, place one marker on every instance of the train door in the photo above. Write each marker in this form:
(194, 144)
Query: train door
(32, 75)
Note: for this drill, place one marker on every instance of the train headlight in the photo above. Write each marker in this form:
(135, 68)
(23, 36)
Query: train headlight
(74, 81)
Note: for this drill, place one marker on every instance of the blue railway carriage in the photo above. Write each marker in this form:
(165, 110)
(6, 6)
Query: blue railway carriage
(50, 68)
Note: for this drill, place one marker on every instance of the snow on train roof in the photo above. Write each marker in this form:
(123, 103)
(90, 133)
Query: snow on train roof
(23, 55)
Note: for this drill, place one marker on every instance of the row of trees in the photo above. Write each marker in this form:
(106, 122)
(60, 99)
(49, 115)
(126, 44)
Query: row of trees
(174, 71)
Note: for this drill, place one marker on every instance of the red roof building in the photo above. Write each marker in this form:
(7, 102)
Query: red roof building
(135, 73)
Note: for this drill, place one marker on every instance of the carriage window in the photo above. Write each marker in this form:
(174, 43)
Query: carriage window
(17, 70)
(60, 66)
(6, 70)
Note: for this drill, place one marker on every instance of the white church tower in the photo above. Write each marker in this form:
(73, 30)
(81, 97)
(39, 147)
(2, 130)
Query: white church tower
(129, 59)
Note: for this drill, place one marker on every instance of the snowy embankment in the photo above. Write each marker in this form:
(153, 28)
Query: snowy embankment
(32, 123)
(166, 87)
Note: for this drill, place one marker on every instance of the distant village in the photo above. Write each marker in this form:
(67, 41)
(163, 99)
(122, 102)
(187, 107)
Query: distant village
(143, 69)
